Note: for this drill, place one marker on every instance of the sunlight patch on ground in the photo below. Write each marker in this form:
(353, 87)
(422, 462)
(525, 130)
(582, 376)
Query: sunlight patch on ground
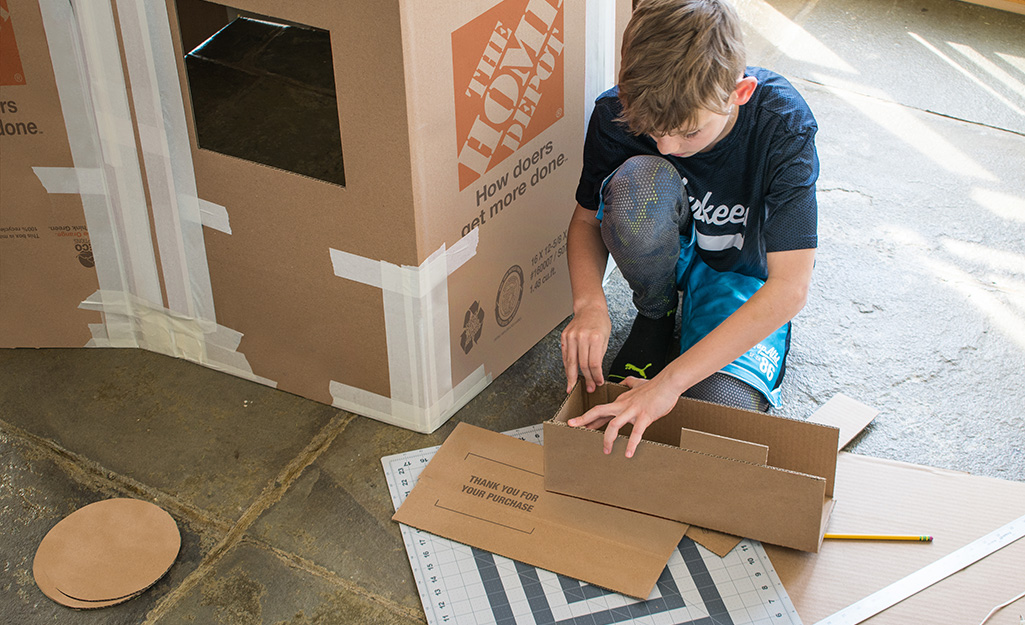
(991, 68)
(1002, 205)
(909, 127)
(791, 39)
(983, 297)
(968, 74)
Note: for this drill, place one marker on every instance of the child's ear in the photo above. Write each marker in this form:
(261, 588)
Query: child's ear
(744, 90)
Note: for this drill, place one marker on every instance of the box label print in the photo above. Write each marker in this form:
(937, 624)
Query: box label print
(11, 72)
(508, 69)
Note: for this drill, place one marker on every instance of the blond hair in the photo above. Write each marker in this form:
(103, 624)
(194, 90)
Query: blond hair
(679, 57)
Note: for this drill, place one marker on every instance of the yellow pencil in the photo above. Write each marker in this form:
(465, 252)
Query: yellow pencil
(923, 539)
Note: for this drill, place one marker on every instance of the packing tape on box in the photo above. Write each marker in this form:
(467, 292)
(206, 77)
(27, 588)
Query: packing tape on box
(417, 334)
(108, 176)
(178, 213)
(132, 322)
(74, 180)
(94, 104)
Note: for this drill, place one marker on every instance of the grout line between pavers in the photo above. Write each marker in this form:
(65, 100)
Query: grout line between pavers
(271, 494)
(91, 474)
(308, 566)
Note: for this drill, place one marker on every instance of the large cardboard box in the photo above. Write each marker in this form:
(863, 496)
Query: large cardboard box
(390, 256)
(702, 464)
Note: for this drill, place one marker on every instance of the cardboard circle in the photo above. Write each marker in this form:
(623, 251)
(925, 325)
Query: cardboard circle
(106, 553)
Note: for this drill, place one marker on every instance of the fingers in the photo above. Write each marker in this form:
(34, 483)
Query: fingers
(583, 352)
(611, 431)
(569, 362)
(582, 358)
(635, 439)
(632, 382)
(592, 419)
(595, 353)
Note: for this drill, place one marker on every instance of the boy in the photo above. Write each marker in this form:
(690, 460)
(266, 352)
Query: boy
(699, 176)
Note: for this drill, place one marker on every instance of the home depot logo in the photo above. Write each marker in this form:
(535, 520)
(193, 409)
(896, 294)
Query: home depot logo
(508, 70)
(10, 61)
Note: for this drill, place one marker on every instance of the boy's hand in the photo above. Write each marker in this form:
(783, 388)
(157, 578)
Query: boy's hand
(583, 343)
(646, 402)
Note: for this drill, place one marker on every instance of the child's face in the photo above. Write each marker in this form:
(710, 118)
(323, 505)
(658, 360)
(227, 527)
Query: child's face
(709, 129)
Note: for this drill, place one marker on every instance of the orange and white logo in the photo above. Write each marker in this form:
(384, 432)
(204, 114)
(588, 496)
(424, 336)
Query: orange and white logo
(509, 84)
(10, 61)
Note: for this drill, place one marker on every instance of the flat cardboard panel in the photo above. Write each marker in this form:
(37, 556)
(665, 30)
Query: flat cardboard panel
(486, 490)
(886, 497)
(718, 543)
(489, 160)
(723, 446)
(845, 413)
(308, 322)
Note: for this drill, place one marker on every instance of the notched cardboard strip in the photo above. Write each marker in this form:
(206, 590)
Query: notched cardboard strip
(785, 499)
(723, 446)
(486, 490)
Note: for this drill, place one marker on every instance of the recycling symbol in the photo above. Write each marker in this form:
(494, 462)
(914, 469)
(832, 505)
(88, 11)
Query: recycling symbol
(473, 323)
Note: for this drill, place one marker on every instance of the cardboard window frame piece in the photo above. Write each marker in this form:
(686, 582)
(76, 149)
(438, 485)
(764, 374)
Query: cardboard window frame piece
(786, 502)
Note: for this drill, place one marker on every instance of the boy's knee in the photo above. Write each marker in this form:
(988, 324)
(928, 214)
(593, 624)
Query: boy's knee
(644, 181)
(645, 171)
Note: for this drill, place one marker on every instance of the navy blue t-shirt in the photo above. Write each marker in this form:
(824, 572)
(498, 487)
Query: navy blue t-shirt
(752, 193)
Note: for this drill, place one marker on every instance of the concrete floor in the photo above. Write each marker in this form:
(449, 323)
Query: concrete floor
(918, 309)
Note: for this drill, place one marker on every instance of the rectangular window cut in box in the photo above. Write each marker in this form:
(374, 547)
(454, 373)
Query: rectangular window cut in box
(263, 90)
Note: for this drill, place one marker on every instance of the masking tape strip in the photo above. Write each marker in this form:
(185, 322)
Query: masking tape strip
(179, 214)
(73, 180)
(356, 268)
(167, 332)
(68, 67)
(104, 85)
(214, 216)
(404, 415)
(94, 99)
(93, 96)
(416, 322)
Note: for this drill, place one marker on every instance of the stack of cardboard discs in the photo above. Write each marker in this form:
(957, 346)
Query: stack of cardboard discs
(106, 553)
